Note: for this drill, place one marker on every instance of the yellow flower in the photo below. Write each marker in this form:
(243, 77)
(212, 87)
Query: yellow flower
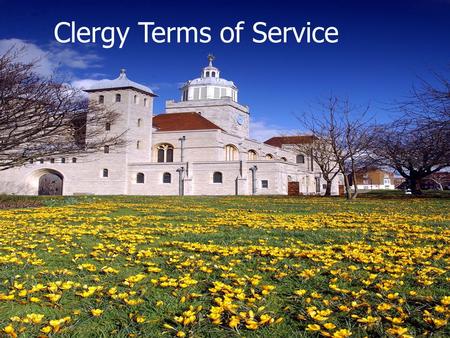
(313, 327)
(35, 318)
(46, 329)
(300, 292)
(234, 322)
(329, 326)
(181, 334)
(9, 329)
(343, 333)
(96, 312)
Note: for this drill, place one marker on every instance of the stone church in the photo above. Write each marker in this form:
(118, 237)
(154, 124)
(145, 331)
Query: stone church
(200, 145)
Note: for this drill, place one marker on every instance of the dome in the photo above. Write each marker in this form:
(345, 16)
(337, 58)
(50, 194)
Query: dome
(209, 86)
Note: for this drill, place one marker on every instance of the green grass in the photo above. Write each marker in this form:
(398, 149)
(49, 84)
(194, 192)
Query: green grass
(290, 243)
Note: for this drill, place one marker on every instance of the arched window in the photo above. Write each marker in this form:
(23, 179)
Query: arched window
(140, 178)
(139, 122)
(284, 159)
(108, 126)
(74, 160)
(138, 144)
(145, 102)
(101, 99)
(300, 158)
(207, 74)
(105, 173)
(217, 177)
(165, 153)
(252, 156)
(106, 149)
(118, 97)
(231, 153)
(269, 157)
(213, 74)
(135, 99)
(63, 160)
(167, 178)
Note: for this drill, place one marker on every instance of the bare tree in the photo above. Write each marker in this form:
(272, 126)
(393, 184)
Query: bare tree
(319, 150)
(343, 131)
(41, 117)
(417, 144)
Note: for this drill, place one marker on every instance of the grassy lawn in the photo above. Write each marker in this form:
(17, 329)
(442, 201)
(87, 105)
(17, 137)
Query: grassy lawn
(225, 267)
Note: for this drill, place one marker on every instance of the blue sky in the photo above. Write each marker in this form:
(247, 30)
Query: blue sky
(383, 47)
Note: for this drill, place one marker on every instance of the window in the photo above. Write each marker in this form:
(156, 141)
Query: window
(105, 173)
(41, 161)
(165, 153)
(167, 178)
(52, 160)
(31, 161)
(196, 93)
(108, 126)
(118, 97)
(74, 160)
(300, 158)
(203, 93)
(145, 102)
(140, 178)
(217, 177)
(264, 184)
(231, 153)
(185, 95)
(101, 99)
(135, 99)
(252, 156)
(63, 160)
(284, 159)
(269, 157)
(106, 149)
(139, 122)
(138, 144)
(213, 74)
(207, 74)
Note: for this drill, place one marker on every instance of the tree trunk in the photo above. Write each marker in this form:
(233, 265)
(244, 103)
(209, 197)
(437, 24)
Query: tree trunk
(414, 185)
(328, 188)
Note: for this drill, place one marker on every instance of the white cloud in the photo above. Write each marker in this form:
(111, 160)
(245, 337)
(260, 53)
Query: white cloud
(49, 59)
(261, 130)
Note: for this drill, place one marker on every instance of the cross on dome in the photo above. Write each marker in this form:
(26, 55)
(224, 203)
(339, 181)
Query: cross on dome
(211, 58)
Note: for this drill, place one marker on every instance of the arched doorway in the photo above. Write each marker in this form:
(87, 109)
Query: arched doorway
(50, 183)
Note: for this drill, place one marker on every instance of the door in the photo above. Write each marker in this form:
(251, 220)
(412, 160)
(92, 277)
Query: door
(50, 184)
(293, 189)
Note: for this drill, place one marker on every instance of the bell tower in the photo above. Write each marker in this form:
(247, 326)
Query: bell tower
(214, 98)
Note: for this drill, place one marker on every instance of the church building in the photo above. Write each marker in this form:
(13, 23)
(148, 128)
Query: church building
(200, 145)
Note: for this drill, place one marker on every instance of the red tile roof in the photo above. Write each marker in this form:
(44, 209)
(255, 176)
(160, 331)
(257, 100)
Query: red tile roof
(280, 140)
(182, 121)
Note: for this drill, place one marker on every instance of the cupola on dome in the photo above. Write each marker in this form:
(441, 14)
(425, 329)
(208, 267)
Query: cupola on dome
(209, 86)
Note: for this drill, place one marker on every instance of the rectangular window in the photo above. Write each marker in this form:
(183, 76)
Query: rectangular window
(52, 160)
(101, 99)
(264, 184)
(63, 160)
(196, 93)
(203, 93)
(317, 184)
(106, 150)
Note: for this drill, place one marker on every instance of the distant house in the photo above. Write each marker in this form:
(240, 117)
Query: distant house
(374, 179)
